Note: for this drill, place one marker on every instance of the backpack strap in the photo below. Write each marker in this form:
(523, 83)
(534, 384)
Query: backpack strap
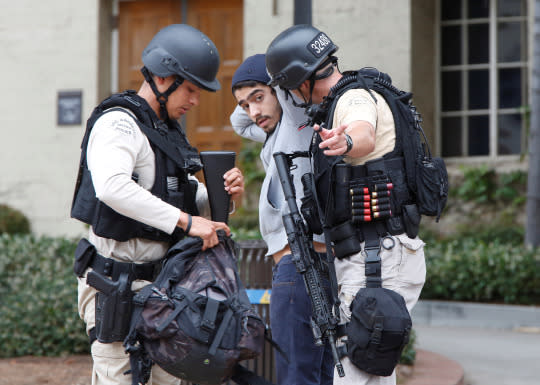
(244, 376)
(140, 365)
(139, 360)
(172, 316)
(275, 345)
(376, 323)
(208, 323)
(221, 332)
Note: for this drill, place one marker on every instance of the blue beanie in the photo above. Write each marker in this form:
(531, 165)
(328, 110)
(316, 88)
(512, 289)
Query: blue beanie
(253, 68)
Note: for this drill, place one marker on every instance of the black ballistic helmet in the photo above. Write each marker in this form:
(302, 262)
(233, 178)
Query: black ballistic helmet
(180, 49)
(295, 54)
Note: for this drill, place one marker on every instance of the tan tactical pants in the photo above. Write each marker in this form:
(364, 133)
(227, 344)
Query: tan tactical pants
(110, 360)
(403, 270)
(110, 364)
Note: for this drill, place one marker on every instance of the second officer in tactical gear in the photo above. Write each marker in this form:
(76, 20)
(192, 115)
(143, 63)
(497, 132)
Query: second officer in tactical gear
(137, 191)
(357, 138)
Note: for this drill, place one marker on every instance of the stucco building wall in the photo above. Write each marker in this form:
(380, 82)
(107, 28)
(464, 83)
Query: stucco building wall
(48, 46)
(368, 33)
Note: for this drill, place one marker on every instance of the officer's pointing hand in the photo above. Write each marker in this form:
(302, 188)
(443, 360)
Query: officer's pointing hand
(333, 141)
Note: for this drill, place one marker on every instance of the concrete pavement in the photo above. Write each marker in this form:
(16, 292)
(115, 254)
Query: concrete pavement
(489, 353)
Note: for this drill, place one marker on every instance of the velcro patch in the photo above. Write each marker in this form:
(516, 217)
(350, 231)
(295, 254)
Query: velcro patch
(320, 45)
(358, 101)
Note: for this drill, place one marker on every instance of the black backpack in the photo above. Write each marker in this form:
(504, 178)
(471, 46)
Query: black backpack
(195, 321)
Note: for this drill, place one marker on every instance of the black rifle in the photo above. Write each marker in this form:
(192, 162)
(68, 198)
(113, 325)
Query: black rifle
(323, 321)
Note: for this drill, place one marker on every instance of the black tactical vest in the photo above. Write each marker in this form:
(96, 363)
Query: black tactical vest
(394, 162)
(175, 159)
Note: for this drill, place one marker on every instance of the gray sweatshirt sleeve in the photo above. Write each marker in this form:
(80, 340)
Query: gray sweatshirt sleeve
(293, 116)
(245, 127)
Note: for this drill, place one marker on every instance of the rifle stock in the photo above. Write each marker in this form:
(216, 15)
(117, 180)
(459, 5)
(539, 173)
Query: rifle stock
(323, 321)
(215, 164)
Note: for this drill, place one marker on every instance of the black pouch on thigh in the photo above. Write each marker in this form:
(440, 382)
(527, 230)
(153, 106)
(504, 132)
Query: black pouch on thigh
(378, 331)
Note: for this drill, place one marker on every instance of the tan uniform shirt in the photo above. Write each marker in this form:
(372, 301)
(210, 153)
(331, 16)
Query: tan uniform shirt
(357, 104)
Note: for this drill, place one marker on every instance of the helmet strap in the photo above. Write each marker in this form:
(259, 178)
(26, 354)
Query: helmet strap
(314, 77)
(306, 104)
(161, 97)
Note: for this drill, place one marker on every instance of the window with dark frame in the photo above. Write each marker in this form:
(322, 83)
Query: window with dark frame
(483, 77)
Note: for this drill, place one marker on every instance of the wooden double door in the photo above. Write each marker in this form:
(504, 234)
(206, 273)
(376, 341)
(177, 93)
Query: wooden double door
(208, 126)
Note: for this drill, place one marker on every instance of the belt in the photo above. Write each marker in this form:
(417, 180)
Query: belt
(323, 266)
(112, 268)
(393, 226)
(86, 256)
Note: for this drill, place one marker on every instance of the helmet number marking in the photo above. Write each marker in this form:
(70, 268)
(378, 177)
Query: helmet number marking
(320, 44)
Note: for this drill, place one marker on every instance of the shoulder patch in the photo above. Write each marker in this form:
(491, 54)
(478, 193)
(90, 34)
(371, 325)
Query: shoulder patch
(357, 97)
(124, 125)
(358, 101)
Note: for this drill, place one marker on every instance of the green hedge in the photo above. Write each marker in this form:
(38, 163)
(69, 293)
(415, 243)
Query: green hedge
(38, 291)
(482, 270)
(408, 356)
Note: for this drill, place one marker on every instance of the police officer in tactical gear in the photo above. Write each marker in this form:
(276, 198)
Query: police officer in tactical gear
(358, 131)
(137, 191)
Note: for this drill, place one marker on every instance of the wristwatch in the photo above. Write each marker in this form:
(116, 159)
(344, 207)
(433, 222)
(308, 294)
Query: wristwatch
(349, 141)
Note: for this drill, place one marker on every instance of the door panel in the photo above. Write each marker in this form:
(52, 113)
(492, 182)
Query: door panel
(138, 22)
(208, 126)
(209, 122)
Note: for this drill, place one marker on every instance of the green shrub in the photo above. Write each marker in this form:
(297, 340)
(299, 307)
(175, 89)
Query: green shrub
(249, 162)
(470, 269)
(486, 233)
(38, 290)
(408, 356)
(244, 219)
(245, 233)
(484, 185)
(38, 310)
(13, 221)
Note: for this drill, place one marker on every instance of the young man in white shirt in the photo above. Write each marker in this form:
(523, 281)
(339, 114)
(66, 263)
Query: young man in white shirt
(264, 115)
